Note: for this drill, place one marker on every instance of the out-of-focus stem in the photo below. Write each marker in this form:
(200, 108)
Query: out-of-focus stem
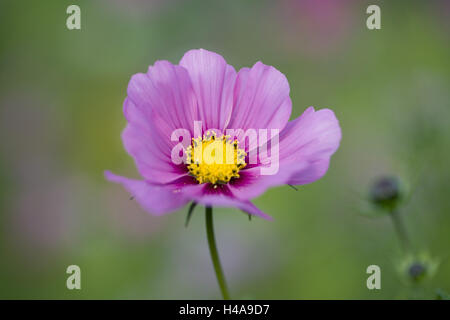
(401, 231)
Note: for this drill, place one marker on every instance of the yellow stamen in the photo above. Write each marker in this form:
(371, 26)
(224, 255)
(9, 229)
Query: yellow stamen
(215, 160)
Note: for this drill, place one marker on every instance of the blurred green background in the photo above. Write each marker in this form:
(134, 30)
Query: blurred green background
(61, 95)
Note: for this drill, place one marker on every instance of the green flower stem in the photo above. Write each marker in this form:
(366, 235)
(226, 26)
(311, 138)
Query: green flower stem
(214, 254)
(401, 231)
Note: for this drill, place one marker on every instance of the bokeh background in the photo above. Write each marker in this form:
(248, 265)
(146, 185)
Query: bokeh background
(61, 95)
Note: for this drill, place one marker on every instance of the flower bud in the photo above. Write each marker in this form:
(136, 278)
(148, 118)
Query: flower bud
(386, 192)
(417, 268)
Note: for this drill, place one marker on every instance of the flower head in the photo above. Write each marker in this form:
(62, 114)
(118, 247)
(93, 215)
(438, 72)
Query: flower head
(386, 192)
(221, 124)
(416, 268)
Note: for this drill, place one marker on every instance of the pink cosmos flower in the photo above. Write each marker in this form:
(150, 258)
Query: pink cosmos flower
(203, 87)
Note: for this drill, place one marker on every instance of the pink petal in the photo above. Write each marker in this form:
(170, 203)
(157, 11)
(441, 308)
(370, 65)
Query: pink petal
(307, 143)
(148, 152)
(261, 99)
(252, 184)
(305, 147)
(225, 201)
(155, 199)
(158, 103)
(213, 82)
(220, 196)
(165, 93)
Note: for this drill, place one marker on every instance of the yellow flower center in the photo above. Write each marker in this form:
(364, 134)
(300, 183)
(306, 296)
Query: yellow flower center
(213, 159)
